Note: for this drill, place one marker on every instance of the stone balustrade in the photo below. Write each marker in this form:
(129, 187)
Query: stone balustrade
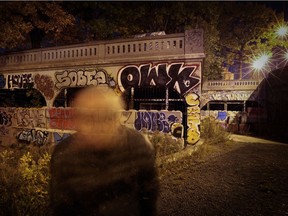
(218, 85)
(175, 46)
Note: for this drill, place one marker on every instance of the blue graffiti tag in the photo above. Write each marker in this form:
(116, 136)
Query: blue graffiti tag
(153, 121)
(222, 115)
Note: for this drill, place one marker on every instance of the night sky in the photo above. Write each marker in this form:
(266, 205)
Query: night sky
(279, 6)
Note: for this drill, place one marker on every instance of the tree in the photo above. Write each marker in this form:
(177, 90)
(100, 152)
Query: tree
(21, 21)
(108, 20)
(243, 26)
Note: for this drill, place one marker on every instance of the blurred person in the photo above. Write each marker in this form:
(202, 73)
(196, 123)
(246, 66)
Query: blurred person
(104, 168)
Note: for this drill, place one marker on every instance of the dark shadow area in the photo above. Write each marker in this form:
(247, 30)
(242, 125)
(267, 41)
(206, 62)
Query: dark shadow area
(66, 97)
(268, 116)
(21, 98)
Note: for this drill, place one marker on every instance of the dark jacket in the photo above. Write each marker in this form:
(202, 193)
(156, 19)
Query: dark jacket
(108, 181)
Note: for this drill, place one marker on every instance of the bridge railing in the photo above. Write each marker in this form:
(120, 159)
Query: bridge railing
(101, 51)
(230, 85)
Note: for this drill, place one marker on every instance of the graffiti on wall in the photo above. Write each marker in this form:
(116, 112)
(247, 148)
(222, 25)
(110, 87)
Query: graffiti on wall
(80, 78)
(220, 115)
(5, 118)
(61, 118)
(225, 96)
(33, 136)
(181, 78)
(164, 121)
(45, 85)
(30, 117)
(21, 81)
(4, 131)
(158, 121)
(58, 137)
(193, 118)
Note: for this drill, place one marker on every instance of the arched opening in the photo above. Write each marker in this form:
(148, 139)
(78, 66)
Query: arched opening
(153, 98)
(21, 98)
(66, 97)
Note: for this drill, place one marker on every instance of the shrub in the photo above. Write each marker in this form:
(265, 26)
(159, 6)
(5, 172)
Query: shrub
(213, 132)
(164, 143)
(24, 180)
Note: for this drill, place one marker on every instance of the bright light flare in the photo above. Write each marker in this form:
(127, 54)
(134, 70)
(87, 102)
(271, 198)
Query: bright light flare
(286, 56)
(282, 31)
(260, 62)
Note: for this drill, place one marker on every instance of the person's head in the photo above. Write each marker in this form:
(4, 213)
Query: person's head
(97, 111)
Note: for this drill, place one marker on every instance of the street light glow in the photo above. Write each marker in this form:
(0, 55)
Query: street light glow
(286, 55)
(260, 63)
(282, 31)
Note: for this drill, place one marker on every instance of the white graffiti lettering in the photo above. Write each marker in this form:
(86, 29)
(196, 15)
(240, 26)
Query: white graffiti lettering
(33, 136)
(176, 75)
(80, 78)
(20, 81)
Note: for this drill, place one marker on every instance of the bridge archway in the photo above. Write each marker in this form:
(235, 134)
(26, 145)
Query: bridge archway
(26, 98)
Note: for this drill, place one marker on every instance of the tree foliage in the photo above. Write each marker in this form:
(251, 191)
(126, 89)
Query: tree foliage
(243, 28)
(233, 31)
(21, 21)
(108, 20)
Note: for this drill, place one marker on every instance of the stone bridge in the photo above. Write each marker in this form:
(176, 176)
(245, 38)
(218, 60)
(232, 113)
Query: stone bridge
(250, 106)
(159, 78)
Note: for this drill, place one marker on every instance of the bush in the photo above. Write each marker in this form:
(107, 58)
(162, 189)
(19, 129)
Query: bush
(24, 181)
(164, 143)
(213, 132)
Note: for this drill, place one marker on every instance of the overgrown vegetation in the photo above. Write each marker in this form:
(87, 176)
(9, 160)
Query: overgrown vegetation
(213, 132)
(24, 180)
(164, 143)
(24, 169)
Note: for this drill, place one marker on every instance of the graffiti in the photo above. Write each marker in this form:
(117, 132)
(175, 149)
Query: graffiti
(20, 81)
(193, 118)
(5, 118)
(225, 96)
(156, 121)
(2, 81)
(3, 131)
(61, 118)
(58, 137)
(80, 78)
(175, 76)
(30, 117)
(33, 136)
(45, 85)
(222, 115)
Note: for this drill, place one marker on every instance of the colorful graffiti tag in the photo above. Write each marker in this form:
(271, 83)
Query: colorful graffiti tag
(45, 85)
(61, 118)
(176, 75)
(157, 121)
(80, 78)
(193, 118)
(58, 137)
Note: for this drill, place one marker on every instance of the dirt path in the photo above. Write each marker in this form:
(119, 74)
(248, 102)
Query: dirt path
(247, 179)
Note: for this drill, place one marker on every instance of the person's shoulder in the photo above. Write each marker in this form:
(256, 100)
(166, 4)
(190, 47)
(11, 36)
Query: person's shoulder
(64, 144)
(137, 138)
